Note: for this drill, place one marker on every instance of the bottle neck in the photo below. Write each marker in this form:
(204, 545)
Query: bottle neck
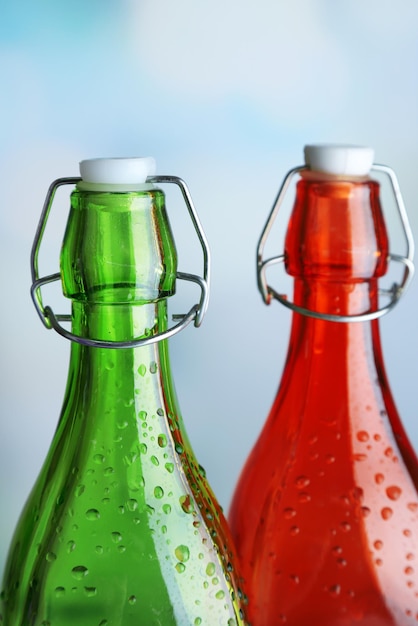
(118, 321)
(332, 344)
(101, 377)
(336, 249)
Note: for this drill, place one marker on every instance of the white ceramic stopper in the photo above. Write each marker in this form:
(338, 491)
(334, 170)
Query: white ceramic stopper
(339, 159)
(117, 171)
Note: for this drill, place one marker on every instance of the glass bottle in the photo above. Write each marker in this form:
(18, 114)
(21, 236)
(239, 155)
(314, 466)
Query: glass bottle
(325, 513)
(121, 527)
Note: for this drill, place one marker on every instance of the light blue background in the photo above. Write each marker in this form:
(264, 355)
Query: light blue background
(225, 94)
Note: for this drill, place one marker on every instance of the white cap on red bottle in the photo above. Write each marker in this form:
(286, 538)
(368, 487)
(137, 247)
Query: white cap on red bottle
(117, 171)
(339, 159)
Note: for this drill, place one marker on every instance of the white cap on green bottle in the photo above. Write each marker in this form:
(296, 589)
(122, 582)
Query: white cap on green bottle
(130, 171)
(339, 159)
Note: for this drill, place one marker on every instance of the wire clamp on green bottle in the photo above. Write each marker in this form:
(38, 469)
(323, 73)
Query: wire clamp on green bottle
(52, 320)
(395, 292)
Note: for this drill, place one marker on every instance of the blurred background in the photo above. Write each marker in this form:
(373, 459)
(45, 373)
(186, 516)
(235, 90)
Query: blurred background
(224, 94)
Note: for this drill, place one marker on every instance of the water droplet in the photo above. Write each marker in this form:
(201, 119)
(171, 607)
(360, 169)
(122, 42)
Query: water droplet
(154, 460)
(202, 471)
(210, 569)
(158, 492)
(304, 497)
(59, 592)
(122, 424)
(99, 459)
(389, 452)
(79, 572)
(90, 592)
(162, 440)
(198, 621)
(358, 494)
(79, 490)
(379, 478)
(413, 506)
(393, 492)
(360, 457)
(70, 546)
(179, 448)
(153, 367)
(121, 549)
(109, 471)
(337, 549)
(302, 481)
(186, 504)
(341, 562)
(99, 549)
(362, 435)
(92, 514)
(289, 513)
(410, 556)
(379, 562)
(160, 412)
(182, 553)
(295, 579)
(409, 570)
(407, 532)
(365, 511)
(386, 513)
(142, 370)
(132, 505)
(143, 448)
(334, 590)
(345, 526)
(132, 600)
(329, 459)
(378, 544)
(294, 530)
(169, 467)
(167, 508)
(116, 537)
(180, 567)
(219, 595)
(50, 557)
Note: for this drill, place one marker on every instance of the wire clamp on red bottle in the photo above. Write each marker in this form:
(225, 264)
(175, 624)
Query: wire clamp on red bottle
(395, 292)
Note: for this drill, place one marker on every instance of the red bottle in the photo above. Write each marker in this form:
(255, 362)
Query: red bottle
(325, 514)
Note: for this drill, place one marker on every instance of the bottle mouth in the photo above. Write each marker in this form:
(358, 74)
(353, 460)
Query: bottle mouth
(116, 173)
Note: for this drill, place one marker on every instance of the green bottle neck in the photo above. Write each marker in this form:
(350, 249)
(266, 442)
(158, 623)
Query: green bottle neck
(118, 321)
(104, 381)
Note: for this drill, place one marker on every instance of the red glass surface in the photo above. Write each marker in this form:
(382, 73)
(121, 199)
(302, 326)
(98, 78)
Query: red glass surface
(325, 514)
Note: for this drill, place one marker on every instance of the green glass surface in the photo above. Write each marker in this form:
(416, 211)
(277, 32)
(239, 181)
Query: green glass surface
(121, 527)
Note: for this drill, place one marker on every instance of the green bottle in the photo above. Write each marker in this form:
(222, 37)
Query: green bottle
(121, 527)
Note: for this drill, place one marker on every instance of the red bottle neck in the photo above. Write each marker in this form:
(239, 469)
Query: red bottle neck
(336, 231)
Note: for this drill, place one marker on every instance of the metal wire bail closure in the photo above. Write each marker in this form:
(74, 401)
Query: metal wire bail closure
(52, 320)
(395, 292)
